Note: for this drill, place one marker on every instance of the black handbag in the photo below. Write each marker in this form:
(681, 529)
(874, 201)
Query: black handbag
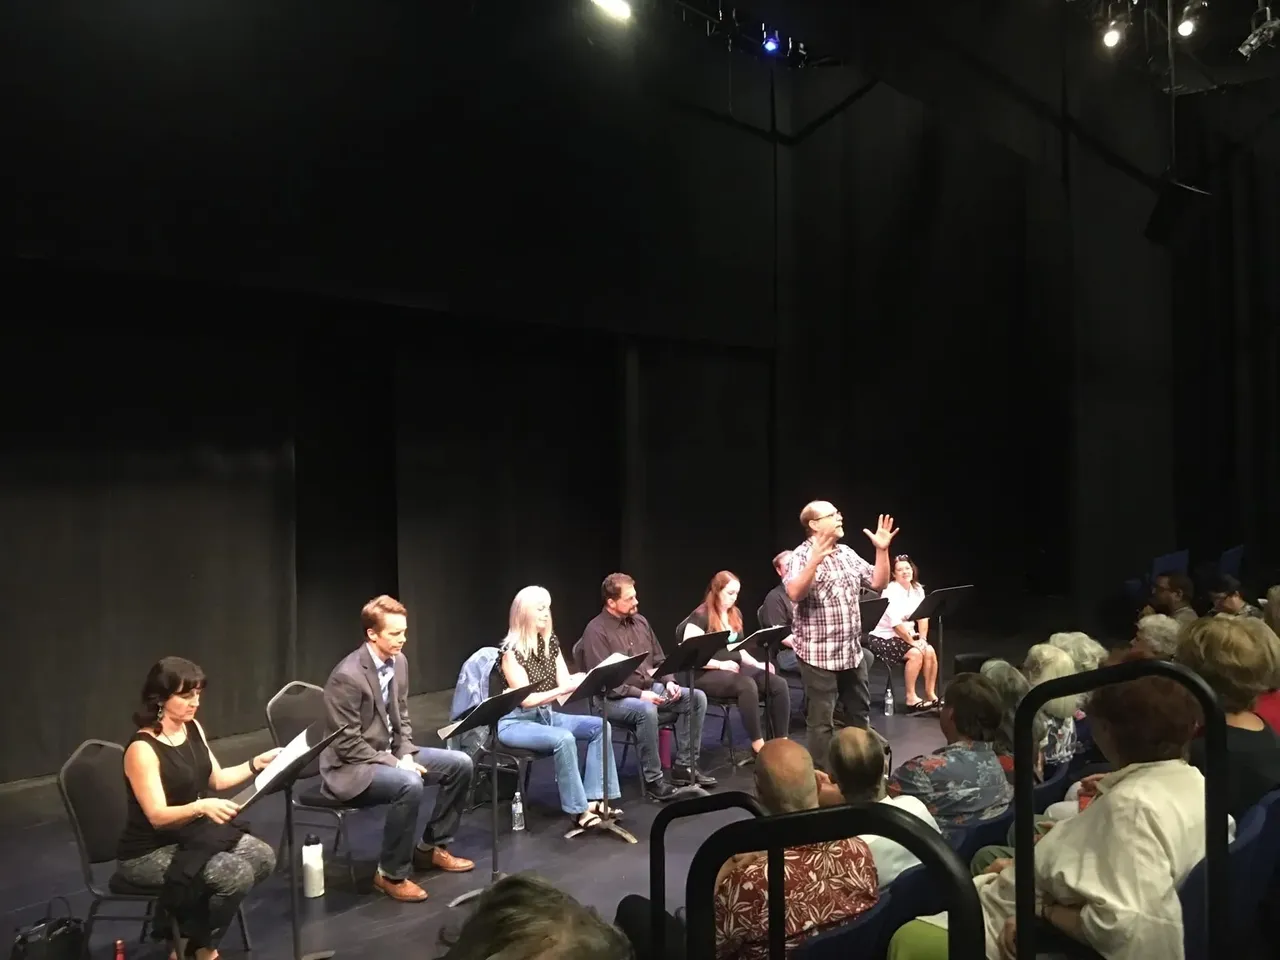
(53, 938)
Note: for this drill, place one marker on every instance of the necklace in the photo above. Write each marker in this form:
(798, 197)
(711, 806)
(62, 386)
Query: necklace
(191, 751)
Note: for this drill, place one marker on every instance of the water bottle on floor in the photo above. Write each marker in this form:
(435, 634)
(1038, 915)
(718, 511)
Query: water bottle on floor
(888, 701)
(517, 812)
(312, 867)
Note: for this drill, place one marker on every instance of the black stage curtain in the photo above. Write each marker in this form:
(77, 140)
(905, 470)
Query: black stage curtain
(700, 475)
(146, 510)
(1227, 325)
(508, 458)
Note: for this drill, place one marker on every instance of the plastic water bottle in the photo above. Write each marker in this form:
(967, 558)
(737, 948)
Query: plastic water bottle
(119, 950)
(888, 701)
(517, 812)
(312, 867)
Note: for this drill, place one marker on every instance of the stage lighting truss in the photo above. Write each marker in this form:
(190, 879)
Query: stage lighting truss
(1263, 30)
(726, 24)
(1115, 20)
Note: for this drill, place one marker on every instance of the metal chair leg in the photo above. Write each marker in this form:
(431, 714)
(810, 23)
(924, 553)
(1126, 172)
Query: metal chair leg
(726, 733)
(88, 925)
(244, 930)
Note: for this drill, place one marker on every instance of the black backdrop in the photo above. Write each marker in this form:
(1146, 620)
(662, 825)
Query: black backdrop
(603, 324)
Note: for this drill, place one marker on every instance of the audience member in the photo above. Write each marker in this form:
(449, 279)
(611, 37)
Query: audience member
(1157, 634)
(1151, 808)
(1085, 652)
(1228, 598)
(1238, 659)
(858, 766)
(1011, 686)
(1172, 593)
(962, 782)
(525, 918)
(1047, 662)
(825, 883)
(1271, 609)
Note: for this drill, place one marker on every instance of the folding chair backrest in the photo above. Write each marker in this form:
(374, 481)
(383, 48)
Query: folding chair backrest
(95, 795)
(296, 707)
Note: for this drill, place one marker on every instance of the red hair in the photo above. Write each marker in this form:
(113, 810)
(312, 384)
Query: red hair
(711, 605)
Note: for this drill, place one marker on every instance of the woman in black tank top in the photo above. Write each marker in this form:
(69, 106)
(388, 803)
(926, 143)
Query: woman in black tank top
(170, 773)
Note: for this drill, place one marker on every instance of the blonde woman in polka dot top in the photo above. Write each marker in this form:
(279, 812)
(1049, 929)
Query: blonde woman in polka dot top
(531, 654)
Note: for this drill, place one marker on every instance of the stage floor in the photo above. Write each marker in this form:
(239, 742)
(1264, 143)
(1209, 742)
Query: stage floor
(40, 860)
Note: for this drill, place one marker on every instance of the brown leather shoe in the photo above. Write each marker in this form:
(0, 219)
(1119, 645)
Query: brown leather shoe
(440, 859)
(405, 891)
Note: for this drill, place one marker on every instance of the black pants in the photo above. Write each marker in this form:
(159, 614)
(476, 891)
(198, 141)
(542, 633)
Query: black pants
(822, 688)
(747, 687)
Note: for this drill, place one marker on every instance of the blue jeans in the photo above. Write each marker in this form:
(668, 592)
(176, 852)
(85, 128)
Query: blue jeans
(545, 730)
(787, 660)
(644, 717)
(401, 791)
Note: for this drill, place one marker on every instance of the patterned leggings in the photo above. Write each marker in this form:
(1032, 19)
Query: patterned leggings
(229, 875)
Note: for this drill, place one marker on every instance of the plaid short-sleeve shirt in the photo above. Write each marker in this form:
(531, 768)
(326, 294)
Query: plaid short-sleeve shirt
(827, 625)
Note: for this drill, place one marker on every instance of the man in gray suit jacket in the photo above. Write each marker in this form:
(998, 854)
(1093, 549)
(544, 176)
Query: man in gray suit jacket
(375, 762)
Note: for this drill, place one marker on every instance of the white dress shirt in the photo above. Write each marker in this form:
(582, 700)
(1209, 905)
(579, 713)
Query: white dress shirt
(902, 603)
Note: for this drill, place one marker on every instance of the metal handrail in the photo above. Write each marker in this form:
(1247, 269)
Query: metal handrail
(777, 834)
(1215, 797)
(677, 810)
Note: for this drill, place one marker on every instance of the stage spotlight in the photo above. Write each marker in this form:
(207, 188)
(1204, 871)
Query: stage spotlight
(771, 44)
(1187, 24)
(1115, 30)
(618, 9)
(1264, 29)
(1186, 28)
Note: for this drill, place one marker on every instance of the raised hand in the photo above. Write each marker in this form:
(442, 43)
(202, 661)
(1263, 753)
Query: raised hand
(885, 532)
(824, 545)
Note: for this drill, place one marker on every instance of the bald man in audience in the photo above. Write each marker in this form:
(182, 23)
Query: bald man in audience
(859, 770)
(835, 881)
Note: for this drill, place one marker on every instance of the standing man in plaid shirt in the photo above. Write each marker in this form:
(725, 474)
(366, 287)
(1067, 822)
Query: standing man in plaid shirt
(824, 579)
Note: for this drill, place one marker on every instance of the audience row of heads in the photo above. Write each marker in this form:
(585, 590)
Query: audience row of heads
(1225, 593)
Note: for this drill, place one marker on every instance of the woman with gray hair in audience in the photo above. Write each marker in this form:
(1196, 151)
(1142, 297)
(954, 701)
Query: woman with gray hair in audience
(1012, 686)
(1157, 633)
(1086, 652)
(1047, 662)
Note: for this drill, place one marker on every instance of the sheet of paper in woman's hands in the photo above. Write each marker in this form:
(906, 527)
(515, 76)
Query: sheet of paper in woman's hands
(295, 748)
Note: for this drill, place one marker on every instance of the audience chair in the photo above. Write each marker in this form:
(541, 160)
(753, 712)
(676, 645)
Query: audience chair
(861, 938)
(1054, 787)
(298, 706)
(94, 794)
(968, 840)
(1244, 895)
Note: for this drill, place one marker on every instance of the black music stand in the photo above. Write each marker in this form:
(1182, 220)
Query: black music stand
(595, 686)
(943, 601)
(283, 781)
(487, 713)
(765, 638)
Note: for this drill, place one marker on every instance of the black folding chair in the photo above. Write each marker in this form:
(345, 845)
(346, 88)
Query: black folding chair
(93, 790)
(296, 707)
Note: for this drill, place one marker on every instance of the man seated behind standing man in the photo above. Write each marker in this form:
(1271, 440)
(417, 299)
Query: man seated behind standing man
(824, 579)
(645, 700)
(778, 611)
(375, 762)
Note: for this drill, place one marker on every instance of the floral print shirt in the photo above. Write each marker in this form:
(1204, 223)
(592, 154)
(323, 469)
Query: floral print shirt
(826, 884)
(960, 783)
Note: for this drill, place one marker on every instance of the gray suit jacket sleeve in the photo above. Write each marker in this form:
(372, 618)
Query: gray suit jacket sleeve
(342, 700)
(404, 745)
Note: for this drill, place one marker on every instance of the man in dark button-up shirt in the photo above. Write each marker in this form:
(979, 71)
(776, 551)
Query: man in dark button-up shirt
(644, 701)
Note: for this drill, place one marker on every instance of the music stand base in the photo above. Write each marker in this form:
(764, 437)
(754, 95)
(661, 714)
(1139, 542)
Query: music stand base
(320, 955)
(610, 824)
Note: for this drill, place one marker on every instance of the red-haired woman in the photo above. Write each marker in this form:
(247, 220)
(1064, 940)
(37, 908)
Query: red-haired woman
(737, 675)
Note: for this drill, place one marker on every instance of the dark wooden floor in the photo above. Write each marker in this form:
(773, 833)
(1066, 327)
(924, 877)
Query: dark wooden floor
(40, 860)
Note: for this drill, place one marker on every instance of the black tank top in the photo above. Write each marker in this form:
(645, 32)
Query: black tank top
(184, 775)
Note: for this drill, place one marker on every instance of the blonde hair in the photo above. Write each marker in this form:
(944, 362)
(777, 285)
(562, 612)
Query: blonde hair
(522, 633)
(1047, 662)
(1266, 636)
(1239, 663)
